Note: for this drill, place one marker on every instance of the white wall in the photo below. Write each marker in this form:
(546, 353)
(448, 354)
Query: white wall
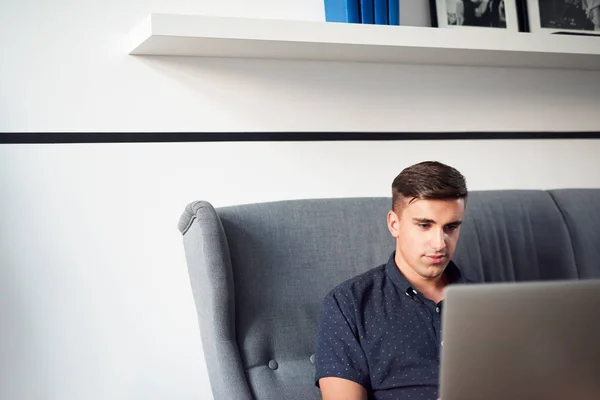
(94, 294)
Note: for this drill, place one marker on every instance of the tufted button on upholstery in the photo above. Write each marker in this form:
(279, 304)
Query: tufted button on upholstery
(312, 358)
(273, 365)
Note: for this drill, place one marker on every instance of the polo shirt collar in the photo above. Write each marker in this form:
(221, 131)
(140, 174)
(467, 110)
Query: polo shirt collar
(398, 278)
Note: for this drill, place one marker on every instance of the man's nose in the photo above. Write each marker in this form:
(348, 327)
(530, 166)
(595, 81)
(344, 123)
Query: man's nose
(438, 241)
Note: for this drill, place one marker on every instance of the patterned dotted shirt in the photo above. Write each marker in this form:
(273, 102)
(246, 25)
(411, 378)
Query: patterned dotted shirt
(376, 330)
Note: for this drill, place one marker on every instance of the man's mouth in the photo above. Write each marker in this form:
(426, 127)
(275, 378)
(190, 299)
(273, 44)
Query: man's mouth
(436, 258)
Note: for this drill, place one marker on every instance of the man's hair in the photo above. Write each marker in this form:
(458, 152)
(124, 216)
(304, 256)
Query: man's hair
(428, 180)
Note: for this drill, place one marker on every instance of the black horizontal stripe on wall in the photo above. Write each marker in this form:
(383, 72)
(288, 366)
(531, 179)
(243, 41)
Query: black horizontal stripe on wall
(158, 137)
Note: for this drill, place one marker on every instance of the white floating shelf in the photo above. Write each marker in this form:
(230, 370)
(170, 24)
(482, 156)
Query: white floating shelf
(207, 36)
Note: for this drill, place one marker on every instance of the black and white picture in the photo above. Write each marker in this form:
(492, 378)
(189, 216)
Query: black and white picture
(494, 14)
(476, 13)
(581, 16)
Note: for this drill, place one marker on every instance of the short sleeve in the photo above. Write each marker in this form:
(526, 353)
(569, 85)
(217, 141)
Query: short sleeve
(339, 353)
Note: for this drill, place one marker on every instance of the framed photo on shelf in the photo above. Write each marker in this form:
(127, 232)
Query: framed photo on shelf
(564, 16)
(477, 14)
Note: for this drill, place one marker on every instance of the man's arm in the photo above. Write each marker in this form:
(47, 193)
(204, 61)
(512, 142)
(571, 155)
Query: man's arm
(341, 389)
(342, 371)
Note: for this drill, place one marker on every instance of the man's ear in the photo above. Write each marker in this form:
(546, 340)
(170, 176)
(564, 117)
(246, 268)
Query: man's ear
(393, 222)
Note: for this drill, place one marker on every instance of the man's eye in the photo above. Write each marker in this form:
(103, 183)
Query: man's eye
(424, 226)
(451, 227)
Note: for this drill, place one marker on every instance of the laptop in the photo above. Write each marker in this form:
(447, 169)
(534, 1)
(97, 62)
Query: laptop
(529, 341)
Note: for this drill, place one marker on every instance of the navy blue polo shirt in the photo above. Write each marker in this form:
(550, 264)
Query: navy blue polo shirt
(376, 330)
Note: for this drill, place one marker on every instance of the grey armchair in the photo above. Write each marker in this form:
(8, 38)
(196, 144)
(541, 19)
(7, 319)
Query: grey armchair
(258, 272)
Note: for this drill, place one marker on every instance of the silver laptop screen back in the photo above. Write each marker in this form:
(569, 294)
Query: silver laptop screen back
(537, 340)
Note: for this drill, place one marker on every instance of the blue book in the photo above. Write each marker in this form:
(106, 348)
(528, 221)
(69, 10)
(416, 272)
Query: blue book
(394, 12)
(367, 12)
(342, 11)
(381, 12)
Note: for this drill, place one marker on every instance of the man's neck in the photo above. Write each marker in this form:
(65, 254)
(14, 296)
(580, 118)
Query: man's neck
(431, 288)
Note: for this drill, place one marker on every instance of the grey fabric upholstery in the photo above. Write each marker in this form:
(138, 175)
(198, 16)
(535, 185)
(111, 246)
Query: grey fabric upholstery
(579, 208)
(514, 236)
(260, 271)
(207, 255)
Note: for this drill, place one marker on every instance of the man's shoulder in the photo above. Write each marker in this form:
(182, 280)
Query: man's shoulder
(356, 286)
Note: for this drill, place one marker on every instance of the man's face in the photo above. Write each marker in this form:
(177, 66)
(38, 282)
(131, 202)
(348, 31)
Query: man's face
(426, 233)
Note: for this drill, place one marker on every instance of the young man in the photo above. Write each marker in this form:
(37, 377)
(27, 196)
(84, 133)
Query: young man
(379, 333)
